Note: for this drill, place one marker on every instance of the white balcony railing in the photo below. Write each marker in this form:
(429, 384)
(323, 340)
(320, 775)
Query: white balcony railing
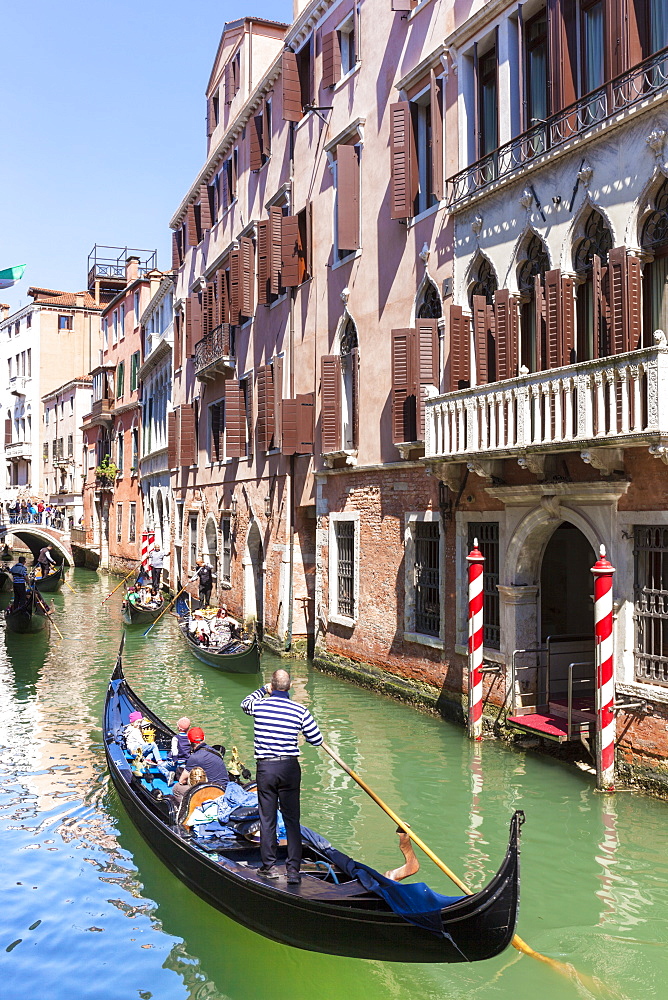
(17, 385)
(614, 401)
(18, 449)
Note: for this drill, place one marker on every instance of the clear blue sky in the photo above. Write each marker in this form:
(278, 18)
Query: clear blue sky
(102, 126)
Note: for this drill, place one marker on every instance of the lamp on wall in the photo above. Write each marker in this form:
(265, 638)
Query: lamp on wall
(233, 506)
(267, 505)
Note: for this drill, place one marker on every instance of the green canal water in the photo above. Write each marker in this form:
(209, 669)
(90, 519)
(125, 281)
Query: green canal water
(88, 911)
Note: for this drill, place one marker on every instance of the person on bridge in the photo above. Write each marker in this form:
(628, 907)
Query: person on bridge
(45, 560)
(20, 577)
(278, 723)
(156, 560)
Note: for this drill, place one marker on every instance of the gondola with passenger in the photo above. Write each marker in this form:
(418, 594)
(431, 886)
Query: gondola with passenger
(30, 615)
(141, 606)
(52, 581)
(229, 652)
(340, 907)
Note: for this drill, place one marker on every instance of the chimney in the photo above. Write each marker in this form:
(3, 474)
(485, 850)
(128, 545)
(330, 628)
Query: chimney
(4, 310)
(155, 277)
(131, 269)
(79, 300)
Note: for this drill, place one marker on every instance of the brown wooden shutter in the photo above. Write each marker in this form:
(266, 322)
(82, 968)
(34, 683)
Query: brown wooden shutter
(331, 59)
(614, 18)
(235, 420)
(176, 250)
(481, 332)
(188, 442)
(275, 247)
(404, 386)
(229, 82)
(247, 283)
(171, 439)
(567, 320)
(347, 198)
(634, 302)
(223, 296)
(506, 312)
(436, 103)
(291, 251)
(553, 318)
(178, 338)
(330, 403)
(460, 349)
(598, 308)
(263, 259)
(638, 40)
(256, 140)
(624, 302)
(206, 325)
(204, 208)
(297, 425)
(189, 326)
(191, 226)
(403, 161)
(209, 117)
(8, 430)
(289, 427)
(265, 407)
(563, 53)
(426, 344)
(277, 380)
(235, 275)
(292, 98)
(539, 322)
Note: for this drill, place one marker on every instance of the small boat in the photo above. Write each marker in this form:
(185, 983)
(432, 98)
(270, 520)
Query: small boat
(29, 617)
(141, 614)
(237, 657)
(52, 581)
(341, 907)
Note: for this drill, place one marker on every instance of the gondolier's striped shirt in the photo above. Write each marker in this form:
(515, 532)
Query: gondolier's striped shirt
(278, 722)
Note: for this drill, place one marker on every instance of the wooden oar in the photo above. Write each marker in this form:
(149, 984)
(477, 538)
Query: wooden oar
(120, 585)
(173, 601)
(517, 942)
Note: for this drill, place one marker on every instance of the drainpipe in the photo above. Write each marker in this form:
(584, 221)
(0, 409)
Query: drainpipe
(291, 474)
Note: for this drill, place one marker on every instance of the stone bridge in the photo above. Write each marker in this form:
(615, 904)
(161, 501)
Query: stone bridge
(36, 536)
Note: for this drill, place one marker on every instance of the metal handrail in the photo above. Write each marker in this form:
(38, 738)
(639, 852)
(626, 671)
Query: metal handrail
(584, 680)
(623, 91)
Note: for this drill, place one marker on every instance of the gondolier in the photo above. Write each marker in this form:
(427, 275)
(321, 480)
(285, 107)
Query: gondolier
(205, 576)
(278, 723)
(45, 561)
(20, 577)
(156, 560)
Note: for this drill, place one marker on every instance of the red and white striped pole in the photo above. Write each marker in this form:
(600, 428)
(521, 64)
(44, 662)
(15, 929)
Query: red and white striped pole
(605, 680)
(475, 560)
(147, 542)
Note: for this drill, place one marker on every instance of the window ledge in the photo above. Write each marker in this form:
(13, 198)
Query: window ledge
(493, 655)
(349, 454)
(343, 620)
(346, 260)
(428, 211)
(416, 10)
(423, 640)
(305, 117)
(276, 302)
(351, 72)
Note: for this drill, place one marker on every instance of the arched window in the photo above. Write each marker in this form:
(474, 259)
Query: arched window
(430, 305)
(350, 384)
(485, 282)
(654, 239)
(590, 261)
(120, 442)
(535, 261)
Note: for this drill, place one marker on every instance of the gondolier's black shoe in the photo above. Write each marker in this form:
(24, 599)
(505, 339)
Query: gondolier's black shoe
(294, 878)
(268, 872)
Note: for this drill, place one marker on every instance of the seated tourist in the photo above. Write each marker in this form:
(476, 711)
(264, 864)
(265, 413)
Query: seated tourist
(204, 756)
(199, 628)
(135, 743)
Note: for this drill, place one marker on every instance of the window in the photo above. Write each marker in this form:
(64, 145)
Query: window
(416, 150)
(305, 73)
(535, 40)
(655, 274)
(260, 137)
(426, 577)
(349, 385)
(120, 442)
(347, 215)
(9, 368)
(488, 137)
(590, 260)
(192, 530)
(105, 332)
(71, 400)
(114, 338)
(120, 379)
(230, 168)
(70, 446)
(64, 323)
(344, 533)
(217, 431)
(29, 320)
(121, 322)
(45, 451)
(135, 449)
(54, 450)
(593, 46)
(132, 525)
(135, 308)
(226, 536)
(650, 552)
(134, 369)
(29, 362)
(119, 522)
(180, 507)
(535, 263)
(348, 43)
(487, 533)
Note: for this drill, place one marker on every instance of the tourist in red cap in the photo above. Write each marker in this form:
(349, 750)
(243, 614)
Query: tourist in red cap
(204, 756)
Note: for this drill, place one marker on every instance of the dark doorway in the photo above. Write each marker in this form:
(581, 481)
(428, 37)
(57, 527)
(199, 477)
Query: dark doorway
(566, 584)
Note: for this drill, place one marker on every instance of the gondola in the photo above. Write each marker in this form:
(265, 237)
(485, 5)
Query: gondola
(135, 614)
(29, 617)
(235, 658)
(340, 907)
(52, 581)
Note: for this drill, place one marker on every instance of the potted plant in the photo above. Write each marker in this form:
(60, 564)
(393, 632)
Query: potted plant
(106, 472)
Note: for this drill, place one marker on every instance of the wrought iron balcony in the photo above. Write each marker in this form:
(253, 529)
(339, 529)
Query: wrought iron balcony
(637, 85)
(215, 353)
(587, 407)
(18, 449)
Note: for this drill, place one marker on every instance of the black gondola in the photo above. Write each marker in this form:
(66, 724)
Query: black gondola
(52, 581)
(335, 909)
(140, 614)
(31, 616)
(237, 657)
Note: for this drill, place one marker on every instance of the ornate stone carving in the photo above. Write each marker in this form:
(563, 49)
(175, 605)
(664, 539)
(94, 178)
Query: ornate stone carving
(476, 225)
(660, 338)
(424, 254)
(533, 463)
(655, 140)
(526, 198)
(552, 508)
(659, 451)
(606, 460)
(449, 473)
(345, 295)
(485, 468)
(585, 173)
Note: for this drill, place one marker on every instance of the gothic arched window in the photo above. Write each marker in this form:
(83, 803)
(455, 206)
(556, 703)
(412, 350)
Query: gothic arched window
(350, 384)
(535, 261)
(430, 306)
(485, 282)
(655, 275)
(590, 260)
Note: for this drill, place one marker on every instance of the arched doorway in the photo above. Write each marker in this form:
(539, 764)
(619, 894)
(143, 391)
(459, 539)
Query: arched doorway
(254, 578)
(566, 584)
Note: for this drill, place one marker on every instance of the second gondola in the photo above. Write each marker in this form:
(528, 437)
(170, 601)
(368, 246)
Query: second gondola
(236, 657)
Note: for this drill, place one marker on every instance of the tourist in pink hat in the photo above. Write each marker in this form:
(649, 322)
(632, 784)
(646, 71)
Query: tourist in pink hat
(135, 743)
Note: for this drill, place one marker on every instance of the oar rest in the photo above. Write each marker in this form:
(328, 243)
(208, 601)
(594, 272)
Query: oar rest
(194, 798)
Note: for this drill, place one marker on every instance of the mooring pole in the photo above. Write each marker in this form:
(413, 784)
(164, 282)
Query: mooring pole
(605, 682)
(475, 560)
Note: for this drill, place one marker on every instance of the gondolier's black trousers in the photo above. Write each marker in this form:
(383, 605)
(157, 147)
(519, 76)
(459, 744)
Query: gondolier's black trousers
(155, 578)
(20, 596)
(205, 594)
(278, 783)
